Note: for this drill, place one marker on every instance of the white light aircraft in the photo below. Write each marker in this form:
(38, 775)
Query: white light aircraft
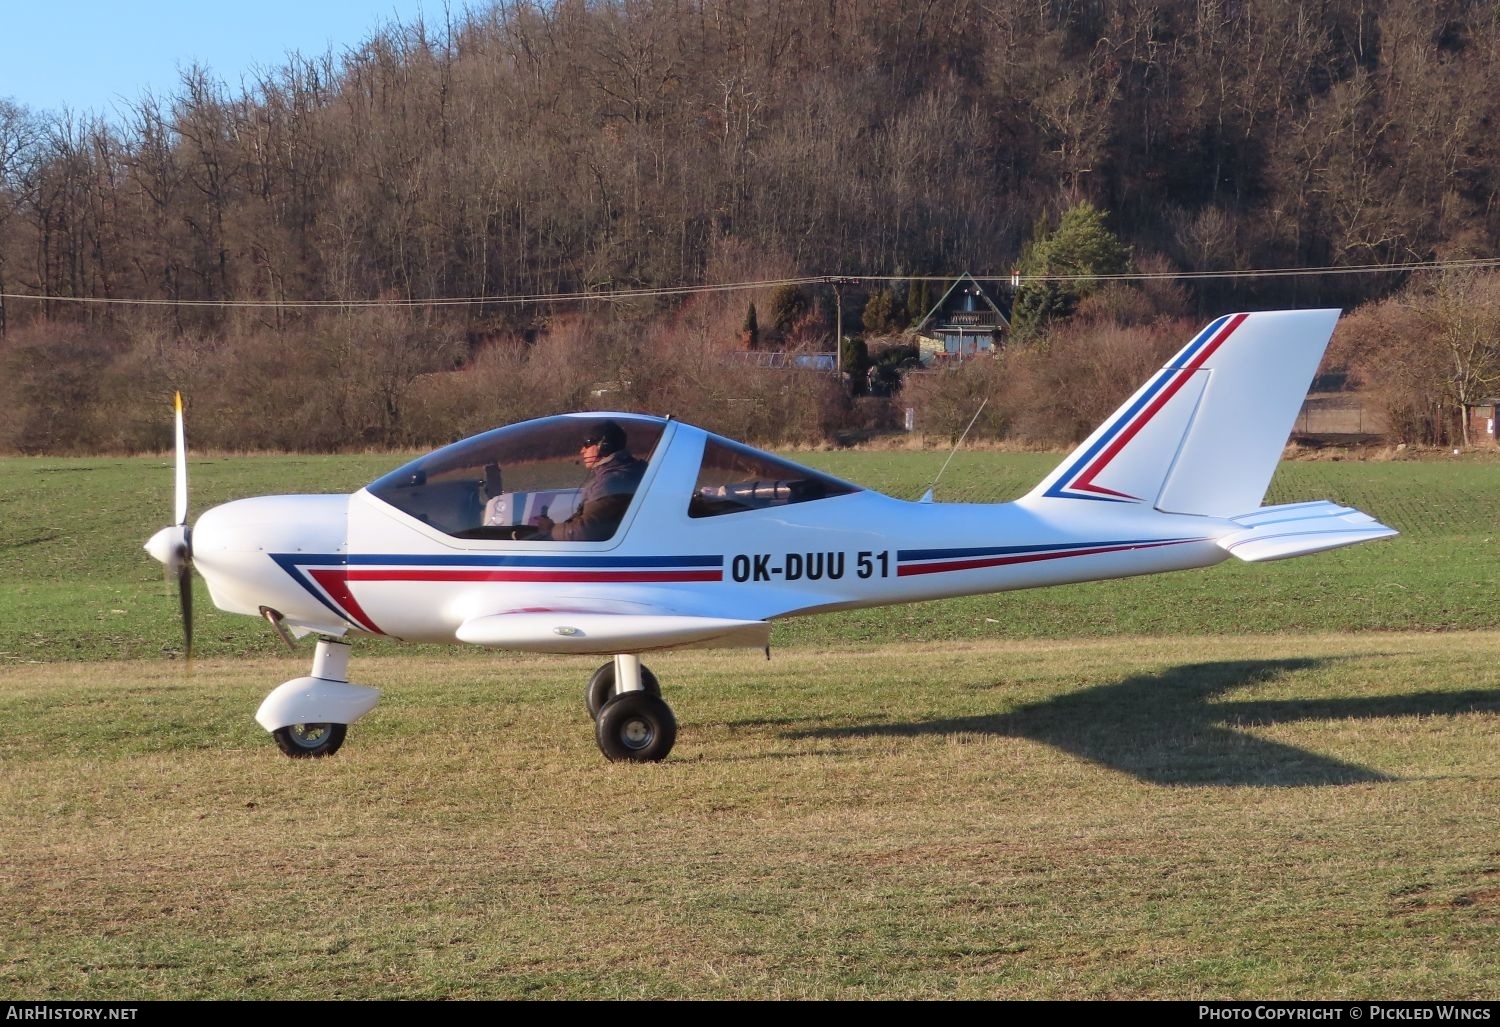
(680, 538)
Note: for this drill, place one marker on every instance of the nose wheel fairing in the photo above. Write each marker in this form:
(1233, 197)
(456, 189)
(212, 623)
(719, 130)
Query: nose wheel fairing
(309, 715)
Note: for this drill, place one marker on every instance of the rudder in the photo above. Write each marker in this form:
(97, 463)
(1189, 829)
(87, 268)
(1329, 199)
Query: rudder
(1203, 435)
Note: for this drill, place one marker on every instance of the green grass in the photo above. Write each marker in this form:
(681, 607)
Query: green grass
(1259, 792)
(1438, 575)
(74, 581)
(75, 584)
(1304, 817)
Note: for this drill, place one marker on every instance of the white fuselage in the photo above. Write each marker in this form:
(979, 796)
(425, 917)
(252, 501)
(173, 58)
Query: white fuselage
(340, 564)
(621, 534)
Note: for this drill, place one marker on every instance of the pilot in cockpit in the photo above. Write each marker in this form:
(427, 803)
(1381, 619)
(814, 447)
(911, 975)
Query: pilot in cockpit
(614, 476)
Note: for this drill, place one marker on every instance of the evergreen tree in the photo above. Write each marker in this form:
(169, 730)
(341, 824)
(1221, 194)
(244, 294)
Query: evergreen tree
(879, 318)
(1081, 247)
(750, 331)
(788, 305)
(900, 316)
(918, 299)
(856, 363)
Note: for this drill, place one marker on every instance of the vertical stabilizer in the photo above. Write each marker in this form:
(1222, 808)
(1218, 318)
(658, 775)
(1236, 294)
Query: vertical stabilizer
(1203, 435)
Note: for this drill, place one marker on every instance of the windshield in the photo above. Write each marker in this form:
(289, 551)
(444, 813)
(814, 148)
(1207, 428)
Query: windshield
(735, 478)
(568, 478)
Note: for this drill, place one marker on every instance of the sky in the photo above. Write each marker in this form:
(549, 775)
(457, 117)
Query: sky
(101, 55)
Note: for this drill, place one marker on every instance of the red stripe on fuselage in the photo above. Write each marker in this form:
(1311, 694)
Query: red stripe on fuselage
(543, 575)
(1001, 561)
(335, 583)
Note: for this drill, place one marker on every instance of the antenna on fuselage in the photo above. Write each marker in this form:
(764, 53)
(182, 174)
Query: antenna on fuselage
(927, 496)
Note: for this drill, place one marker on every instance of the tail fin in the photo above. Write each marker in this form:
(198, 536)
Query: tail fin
(1204, 434)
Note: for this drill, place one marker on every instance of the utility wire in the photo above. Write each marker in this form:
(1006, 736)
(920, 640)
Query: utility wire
(616, 295)
(625, 295)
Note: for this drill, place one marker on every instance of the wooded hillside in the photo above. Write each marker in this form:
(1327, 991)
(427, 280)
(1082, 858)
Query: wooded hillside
(530, 148)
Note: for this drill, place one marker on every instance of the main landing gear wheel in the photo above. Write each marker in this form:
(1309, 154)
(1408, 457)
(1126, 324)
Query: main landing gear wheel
(307, 741)
(636, 727)
(602, 687)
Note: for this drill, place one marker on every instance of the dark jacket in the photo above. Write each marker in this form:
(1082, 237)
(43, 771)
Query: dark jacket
(603, 500)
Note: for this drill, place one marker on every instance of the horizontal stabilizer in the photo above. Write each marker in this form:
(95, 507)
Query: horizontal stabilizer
(591, 631)
(1279, 532)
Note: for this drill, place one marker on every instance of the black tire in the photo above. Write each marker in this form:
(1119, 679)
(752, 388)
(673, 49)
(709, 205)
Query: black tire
(309, 741)
(601, 687)
(635, 727)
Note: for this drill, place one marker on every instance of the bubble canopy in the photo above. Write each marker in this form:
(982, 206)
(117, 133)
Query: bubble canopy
(551, 479)
(498, 484)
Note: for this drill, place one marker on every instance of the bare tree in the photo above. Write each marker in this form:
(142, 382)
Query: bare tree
(20, 158)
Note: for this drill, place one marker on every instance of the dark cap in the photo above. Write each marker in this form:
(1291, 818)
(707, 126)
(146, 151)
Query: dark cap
(609, 436)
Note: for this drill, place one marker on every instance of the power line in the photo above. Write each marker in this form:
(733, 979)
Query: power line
(659, 292)
(1482, 263)
(610, 296)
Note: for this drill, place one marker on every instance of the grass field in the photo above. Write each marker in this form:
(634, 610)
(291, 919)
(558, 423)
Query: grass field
(74, 583)
(1274, 781)
(1306, 817)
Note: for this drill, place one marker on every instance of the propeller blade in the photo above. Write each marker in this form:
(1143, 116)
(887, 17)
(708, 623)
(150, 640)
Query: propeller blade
(181, 511)
(172, 546)
(185, 599)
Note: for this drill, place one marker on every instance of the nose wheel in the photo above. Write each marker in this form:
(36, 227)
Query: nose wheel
(309, 741)
(633, 725)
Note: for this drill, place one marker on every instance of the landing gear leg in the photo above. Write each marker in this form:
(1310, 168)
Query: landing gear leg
(601, 688)
(632, 724)
(309, 716)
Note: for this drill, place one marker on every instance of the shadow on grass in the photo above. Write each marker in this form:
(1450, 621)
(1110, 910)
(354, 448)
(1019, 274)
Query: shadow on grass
(38, 540)
(1164, 729)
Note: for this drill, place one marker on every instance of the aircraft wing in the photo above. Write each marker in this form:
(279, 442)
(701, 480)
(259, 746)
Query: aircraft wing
(1279, 532)
(607, 630)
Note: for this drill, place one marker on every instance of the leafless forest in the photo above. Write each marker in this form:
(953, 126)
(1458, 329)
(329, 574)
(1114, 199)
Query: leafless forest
(528, 149)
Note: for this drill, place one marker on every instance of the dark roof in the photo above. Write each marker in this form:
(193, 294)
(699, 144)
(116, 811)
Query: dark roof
(963, 279)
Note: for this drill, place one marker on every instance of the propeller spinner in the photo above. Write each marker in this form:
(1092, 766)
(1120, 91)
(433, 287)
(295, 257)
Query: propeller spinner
(173, 546)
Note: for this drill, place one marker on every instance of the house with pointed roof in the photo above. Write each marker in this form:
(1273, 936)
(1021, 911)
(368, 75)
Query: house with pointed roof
(964, 323)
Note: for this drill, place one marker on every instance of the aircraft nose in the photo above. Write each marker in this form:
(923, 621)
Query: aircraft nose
(169, 546)
(274, 524)
(240, 549)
